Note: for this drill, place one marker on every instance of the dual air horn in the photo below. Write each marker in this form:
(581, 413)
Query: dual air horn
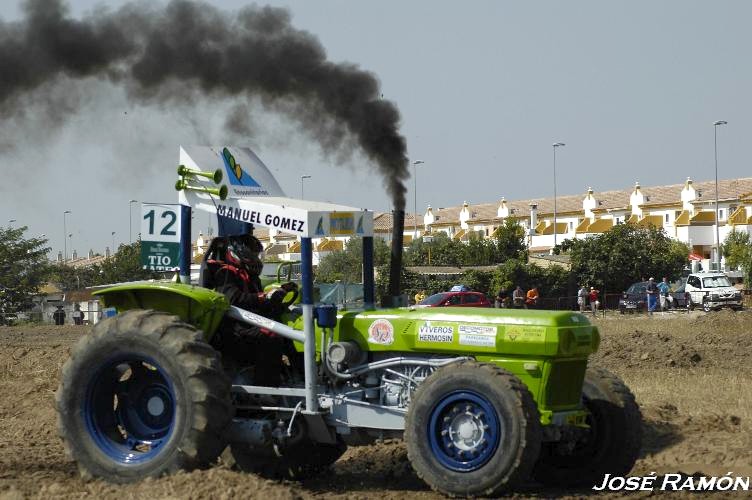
(186, 173)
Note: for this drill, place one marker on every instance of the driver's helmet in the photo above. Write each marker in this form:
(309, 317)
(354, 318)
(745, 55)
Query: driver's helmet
(245, 252)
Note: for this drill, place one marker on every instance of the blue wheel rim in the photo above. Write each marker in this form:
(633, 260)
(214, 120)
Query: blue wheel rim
(129, 409)
(464, 431)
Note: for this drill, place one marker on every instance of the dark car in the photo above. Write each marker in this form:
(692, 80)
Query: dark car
(455, 299)
(680, 296)
(635, 298)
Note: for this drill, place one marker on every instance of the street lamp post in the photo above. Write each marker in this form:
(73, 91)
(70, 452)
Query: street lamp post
(302, 178)
(717, 221)
(555, 145)
(113, 242)
(415, 197)
(65, 238)
(130, 219)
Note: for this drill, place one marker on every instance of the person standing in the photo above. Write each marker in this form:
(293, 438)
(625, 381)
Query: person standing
(582, 296)
(594, 302)
(59, 316)
(518, 298)
(531, 300)
(652, 292)
(663, 289)
(78, 315)
(420, 296)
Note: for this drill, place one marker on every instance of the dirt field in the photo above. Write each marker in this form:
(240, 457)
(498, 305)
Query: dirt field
(692, 375)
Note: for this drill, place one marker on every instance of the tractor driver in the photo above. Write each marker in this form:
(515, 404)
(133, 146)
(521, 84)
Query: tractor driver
(237, 278)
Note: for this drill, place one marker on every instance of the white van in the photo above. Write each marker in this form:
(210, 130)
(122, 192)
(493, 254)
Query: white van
(712, 291)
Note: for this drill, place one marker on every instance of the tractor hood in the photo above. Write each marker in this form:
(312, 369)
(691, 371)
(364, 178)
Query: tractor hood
(472, 331)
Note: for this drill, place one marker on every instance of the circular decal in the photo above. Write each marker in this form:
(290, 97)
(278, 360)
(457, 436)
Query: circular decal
(381, 332)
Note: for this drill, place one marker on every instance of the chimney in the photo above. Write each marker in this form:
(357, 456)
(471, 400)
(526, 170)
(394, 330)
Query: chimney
(107, 252)
(394, 299)
(533, 217)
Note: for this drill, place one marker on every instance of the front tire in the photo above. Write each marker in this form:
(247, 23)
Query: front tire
(611, 447)
(142, 395)
(472, 429)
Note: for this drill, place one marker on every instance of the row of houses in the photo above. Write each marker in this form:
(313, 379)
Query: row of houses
(685, 211)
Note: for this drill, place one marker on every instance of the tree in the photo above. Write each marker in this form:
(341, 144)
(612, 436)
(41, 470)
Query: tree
(23, 268)
(123, 266)
(624, 254)
(737, 249)
(346, 265)
(510, 241)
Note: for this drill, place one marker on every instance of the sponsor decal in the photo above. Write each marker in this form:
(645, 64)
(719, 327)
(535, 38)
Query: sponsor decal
(381, 332)
(517, 333)
(320, 227)
(477, 335)
(341, 223)
(262, 219)
(435, 333)
(235, 173)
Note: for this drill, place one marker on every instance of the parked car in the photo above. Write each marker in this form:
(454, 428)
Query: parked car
(455, 299)
(712, 291)
(635, 298)
(680, 297)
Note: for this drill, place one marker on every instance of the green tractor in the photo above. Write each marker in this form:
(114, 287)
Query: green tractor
(485, 399)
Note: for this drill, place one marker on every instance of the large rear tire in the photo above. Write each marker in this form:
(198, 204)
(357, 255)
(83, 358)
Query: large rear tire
(612, 445)
(142, 395)
(472, 429)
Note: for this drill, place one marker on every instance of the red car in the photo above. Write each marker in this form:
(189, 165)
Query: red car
(455, 299)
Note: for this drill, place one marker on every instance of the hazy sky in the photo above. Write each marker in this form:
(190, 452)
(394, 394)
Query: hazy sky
(484, 88)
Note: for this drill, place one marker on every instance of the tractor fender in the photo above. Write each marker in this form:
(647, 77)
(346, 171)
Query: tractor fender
(200, 307)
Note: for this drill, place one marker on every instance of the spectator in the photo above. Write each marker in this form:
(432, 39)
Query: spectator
(59, 316)
(663, 289)
(78, 315)
(531, 301)
(582, 296)
(518, 298)
(594, 302)
(501, 300)
(652, 292)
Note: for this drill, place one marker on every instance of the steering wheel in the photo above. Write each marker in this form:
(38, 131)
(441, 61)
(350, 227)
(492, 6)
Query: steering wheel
(290, 288)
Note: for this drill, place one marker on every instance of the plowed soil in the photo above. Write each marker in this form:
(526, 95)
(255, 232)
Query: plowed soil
(691, 373)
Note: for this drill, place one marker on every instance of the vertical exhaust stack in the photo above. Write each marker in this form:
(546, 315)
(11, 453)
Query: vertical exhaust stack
(394, 297)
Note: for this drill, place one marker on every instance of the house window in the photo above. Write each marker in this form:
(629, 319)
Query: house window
(666, 218)
(486, 232)
(720, 214)
(571, 225)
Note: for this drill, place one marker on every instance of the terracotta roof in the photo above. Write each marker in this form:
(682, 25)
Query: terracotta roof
(382, 222)
(86, 262)
(728, 189)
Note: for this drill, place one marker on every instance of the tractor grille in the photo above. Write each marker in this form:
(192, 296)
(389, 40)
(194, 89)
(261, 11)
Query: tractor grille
(564, 386)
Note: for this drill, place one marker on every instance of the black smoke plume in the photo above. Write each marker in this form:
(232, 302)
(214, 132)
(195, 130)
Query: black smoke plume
(171, 54)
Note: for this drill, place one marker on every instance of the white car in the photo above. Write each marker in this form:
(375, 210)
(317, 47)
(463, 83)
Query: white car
(712, 291)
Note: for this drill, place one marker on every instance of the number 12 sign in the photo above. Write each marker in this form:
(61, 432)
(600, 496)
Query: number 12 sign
(160, 236)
